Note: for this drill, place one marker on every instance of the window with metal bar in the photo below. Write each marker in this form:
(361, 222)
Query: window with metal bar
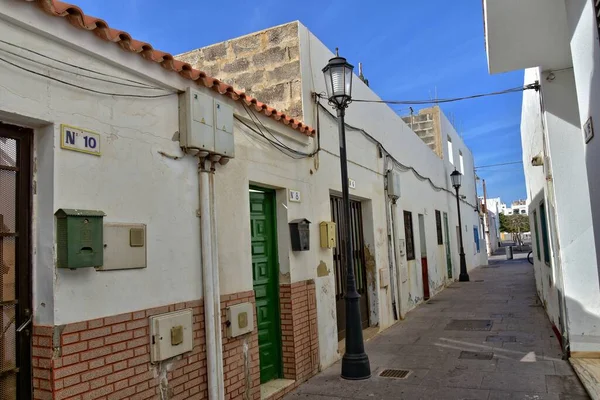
(408, 232)
(537, 236)
(545, 241)
(438, 227)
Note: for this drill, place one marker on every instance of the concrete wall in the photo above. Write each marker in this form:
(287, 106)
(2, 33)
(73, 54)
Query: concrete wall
(572, 277)
(263, 64)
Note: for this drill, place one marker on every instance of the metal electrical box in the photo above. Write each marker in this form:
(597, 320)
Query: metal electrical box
(393, 184)
(79, 242)
(171, 334)
(328, 236)
(205, 123)
(300, 234)
(124, 246)
(240, 319)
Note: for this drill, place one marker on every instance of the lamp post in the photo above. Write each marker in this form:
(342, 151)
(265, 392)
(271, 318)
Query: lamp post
(355, 363)
(464, 276)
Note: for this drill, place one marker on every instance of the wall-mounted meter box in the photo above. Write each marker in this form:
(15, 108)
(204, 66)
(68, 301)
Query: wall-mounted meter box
(205, 123)
(300, 234)
(79, 242)
(328, 237)
(240, 319)
(171, 334)
(393, 184)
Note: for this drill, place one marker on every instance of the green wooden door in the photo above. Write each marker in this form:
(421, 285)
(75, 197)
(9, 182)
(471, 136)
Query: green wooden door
(448, 255)
(266, 287)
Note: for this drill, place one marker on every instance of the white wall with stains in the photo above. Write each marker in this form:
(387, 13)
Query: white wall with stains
(366, 167)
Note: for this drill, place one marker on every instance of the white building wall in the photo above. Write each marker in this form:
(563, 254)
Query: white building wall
(585, 50)
(573, 262)
(418, 196)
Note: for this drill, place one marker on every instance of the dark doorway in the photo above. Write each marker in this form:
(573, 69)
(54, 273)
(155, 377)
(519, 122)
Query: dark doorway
(356, 235)
(15, 262)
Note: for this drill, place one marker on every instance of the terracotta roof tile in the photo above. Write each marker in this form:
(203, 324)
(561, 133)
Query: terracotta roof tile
(100, 28)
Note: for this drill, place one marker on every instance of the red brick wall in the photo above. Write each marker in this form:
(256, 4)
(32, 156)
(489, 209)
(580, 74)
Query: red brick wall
(242, 372)
(111, 357)
(299, 330)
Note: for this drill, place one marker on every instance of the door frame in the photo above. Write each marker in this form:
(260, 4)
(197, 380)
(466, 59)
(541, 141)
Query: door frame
(279, 345)
(23, 283)
(358, 253)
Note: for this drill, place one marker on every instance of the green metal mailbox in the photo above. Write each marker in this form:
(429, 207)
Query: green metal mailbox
(79, 240)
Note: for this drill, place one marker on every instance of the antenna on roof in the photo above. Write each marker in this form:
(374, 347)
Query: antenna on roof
(360, 74)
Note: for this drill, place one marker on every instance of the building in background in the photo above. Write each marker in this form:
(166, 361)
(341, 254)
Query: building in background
(558, 46)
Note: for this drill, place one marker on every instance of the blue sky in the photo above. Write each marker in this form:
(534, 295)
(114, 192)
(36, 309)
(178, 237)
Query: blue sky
(410, 50)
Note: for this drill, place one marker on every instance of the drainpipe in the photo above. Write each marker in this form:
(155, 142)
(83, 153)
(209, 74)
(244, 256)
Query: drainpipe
(390, 233)
(207, 244)
(216, 285)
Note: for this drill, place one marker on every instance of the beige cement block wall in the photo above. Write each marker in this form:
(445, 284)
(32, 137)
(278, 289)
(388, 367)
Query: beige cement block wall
(265, 65)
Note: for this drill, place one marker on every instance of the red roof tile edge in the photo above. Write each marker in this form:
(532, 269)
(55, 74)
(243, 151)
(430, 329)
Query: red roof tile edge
(100, 28)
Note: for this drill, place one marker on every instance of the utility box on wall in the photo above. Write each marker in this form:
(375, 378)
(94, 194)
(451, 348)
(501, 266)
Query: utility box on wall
(300, 234)
(205, 123)
(328, 237)
(171, 334)
(124, 246)
(79, 242)
(240, 319)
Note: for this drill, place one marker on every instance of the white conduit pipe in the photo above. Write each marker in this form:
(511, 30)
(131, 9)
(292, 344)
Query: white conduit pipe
(207, 277)
(216, 285)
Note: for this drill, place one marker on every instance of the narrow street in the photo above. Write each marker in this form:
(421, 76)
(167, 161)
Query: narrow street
(452, 352)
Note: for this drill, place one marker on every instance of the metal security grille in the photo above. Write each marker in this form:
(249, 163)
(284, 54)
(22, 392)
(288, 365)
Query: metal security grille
(15, 212)
(358, 254)
(395, 373)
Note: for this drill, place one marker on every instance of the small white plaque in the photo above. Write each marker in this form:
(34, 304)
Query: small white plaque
(79, 139)
(295, 196)
(588, 130)
(351, 183)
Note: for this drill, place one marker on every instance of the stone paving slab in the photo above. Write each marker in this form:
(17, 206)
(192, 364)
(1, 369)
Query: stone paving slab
(530, 367)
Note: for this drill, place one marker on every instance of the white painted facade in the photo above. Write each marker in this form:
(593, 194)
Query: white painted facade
(551, 130)
(418, 196)
(133, 183)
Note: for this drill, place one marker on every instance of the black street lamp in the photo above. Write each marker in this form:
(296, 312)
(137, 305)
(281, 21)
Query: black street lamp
(464, 276)
(355, 363)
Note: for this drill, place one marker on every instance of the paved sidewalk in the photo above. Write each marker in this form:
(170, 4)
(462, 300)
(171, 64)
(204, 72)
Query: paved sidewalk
(526, 361)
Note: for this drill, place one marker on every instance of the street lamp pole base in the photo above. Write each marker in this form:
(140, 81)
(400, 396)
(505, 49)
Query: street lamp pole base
(356, 367)
(464, 276)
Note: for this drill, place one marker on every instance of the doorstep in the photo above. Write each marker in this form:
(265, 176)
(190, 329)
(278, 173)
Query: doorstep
(271, 388)
(588, 371)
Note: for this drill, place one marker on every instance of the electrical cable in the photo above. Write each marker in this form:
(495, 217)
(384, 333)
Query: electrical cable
(273, 143)
(77, 66)
(277, 143)
(83, 87)
(531, 86)
(400, 165)
(78, 74)
(498, 165)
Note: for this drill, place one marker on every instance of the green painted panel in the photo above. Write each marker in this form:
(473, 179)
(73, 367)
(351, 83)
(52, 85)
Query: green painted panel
(266, 286)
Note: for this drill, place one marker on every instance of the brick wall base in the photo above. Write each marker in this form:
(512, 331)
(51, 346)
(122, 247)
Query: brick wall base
(241, 366)
(109, 358)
